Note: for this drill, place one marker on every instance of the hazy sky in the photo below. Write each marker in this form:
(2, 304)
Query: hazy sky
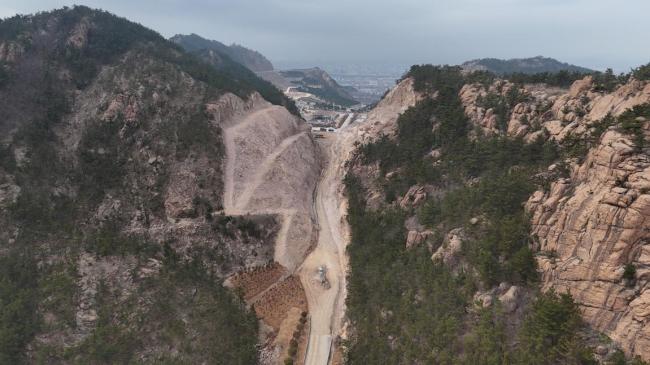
(592, 33)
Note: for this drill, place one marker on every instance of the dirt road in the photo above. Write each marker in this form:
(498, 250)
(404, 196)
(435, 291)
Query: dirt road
(272, 168)
(326, 305)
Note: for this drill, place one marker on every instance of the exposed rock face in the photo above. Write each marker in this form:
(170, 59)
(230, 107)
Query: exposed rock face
(79, 35)
(382, 119)
(511, 297)
(627, 96)
(593, 225)
(550, 112)
(415, 238)
(272, 168)
(469, 96)
(523, 120)
(413, 197)
(450, 248)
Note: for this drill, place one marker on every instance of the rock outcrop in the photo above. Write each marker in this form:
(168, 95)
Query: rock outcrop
(593, 225)
(382, 119)
(546, 111)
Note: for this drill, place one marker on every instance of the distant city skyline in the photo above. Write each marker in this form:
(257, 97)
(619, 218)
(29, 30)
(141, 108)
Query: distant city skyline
(590, 33)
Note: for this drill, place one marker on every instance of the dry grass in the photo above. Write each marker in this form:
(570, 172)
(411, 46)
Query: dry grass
(274, 304)
(254, 281)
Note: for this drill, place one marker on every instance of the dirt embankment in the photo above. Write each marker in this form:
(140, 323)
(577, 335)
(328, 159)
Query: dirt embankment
(272, 168)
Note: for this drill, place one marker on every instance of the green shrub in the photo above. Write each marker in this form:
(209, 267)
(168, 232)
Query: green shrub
(110, 241)
(549, 334)
(561, 78)
(426, 300)
(102, 159)
(486, 342)
(629, 273)
(629, 123)
(642, 72)
(19, 298)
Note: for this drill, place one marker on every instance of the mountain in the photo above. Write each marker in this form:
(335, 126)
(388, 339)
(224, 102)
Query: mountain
(227, 61)
(312, 80)
(318, 82)
(115, 147)
(499, 222)
(253, 60)
(531, 65)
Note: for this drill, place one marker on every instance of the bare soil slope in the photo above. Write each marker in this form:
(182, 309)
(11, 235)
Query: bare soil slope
(272, 168)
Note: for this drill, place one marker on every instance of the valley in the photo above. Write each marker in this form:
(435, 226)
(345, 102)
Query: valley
(327, 302)
(182, 201)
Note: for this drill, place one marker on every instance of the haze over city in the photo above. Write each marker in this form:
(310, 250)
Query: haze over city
(591, 33)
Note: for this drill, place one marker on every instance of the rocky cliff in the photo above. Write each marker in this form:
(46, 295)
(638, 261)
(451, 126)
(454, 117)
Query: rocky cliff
(382, 119)
(592, 225)
(571, 161)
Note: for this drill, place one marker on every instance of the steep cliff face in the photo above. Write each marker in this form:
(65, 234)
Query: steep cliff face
(593, 228)
(591, 224)
(534, 111)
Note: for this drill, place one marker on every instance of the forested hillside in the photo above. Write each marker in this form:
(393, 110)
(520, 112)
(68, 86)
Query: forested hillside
(229, 62)
(253, 60)
(532, 65)
(444, 269)
(113, 246)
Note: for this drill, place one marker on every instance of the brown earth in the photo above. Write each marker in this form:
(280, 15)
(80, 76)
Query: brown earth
(274, 304)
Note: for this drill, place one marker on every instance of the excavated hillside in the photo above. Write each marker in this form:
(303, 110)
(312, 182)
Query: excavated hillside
(508, 188)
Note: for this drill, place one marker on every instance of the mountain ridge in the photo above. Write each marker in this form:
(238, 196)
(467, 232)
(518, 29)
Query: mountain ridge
(530, 65)
(253, 60)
